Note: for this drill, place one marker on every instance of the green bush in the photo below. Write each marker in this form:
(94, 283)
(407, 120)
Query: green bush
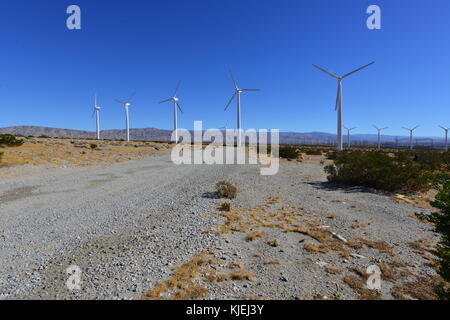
(441, 220)
(313, 152)
(389, 172)
(10, 140)
(1, 156)
(288, 152)
(93, 146)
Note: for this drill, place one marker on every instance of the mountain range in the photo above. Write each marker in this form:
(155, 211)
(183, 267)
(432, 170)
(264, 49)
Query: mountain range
(153, 134)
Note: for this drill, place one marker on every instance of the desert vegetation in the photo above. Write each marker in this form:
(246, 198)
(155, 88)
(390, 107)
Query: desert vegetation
(226, 189)
(406, 171)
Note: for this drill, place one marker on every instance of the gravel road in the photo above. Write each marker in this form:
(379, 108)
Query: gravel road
(126, 226)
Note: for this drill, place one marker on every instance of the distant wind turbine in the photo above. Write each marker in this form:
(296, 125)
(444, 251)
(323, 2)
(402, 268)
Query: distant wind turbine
(411, 136)
(339, 99)
(97, 116)
(127, 104)
(237, 93)
(176, 105)
(379, 135)
(348, 135)
(446, 136)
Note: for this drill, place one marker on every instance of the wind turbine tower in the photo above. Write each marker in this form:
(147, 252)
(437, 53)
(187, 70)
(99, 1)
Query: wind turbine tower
(176, 105)
(446, 136)
(97, 116)
(348, 135)
(339, 99)
(237, 92)
(379, 135)
(411, 136)
(127, 104)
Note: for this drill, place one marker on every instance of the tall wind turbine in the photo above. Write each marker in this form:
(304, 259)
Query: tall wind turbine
(446, 136)
(411, 136)
(237, 92)
(127, 104)
(97, 116)
(379, 135)
(339, 99)
(176, 105)
(348, 135)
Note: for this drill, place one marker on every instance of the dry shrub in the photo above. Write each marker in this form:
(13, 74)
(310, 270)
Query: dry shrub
(226, 189)
(272, 243)
(378, 245)
(225, 206)
(181, 285)
(185, 283)
(331, 270)
(251, 236)
(421, 289)
(273, 261)
(311, 248)
(359, 285)
(387, 273)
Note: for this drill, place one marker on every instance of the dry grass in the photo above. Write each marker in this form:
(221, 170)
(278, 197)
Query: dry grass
(286, 218)
(359, 285)
(225, 206)
(420, 289)
(189, 279)
(274, 261)
(311, 248)
(331, 270)
(252, 236)
(387, 273)
(378, 245)
(38, 151)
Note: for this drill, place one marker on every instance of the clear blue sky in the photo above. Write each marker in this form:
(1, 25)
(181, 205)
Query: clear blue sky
(49, 74)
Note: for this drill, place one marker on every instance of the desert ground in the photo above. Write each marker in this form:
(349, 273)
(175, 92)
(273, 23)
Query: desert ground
(140, 227)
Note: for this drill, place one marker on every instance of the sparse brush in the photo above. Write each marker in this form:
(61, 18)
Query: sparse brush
(272, 243)
(378, 170)
(10, 140)
(226, 189)
(225, 206)
(254, 235)
(288, 152)
(93, 146)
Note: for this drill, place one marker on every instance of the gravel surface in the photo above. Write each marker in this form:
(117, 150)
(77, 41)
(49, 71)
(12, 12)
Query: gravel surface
(126, 226)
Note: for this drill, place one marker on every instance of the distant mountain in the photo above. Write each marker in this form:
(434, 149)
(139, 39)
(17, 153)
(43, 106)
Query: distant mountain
(153, 134)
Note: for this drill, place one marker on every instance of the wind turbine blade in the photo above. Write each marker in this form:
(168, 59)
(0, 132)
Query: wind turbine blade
(131, 97)
(231, 100)
(375, 127)
(250, 89)
(234, 80)
(327, 72)
(179, 107)
(406, 128)
(358, 70)
(345, 128)
(416, 127)
(121, 102)
(93, 113)
(167, 100)
(385, 128)
(177, 88)
(338, 97)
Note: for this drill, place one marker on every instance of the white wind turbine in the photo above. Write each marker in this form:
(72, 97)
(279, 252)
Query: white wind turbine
(176, 105)
(127, 104)
(339, 99)
(96, 112)
(237, 92)
(348, 135)
(411, 136)
(446, 136)
(379, 135)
